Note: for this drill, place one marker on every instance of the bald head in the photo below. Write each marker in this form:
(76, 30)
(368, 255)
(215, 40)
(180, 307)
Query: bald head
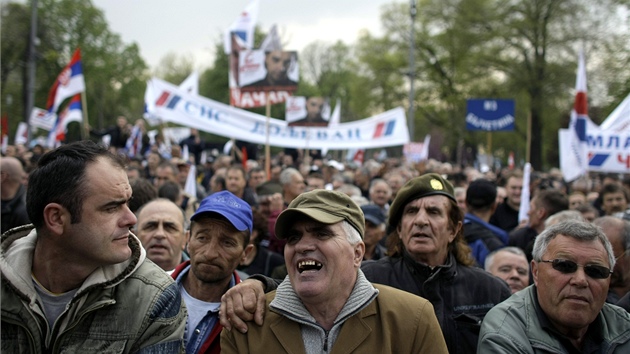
(161, 229)
(618, 233)
(12, 176)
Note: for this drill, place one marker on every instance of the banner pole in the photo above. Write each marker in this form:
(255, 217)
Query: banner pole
(489, 147)
(84, 131)
(267, 149)
(529, 137)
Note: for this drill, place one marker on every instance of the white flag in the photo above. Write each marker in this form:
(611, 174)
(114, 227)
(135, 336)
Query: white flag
(619, 120)
(272, 41)
(21, 135)
(41, 118)
(191, 181)
(191, 84)
(243, 28)
(524, 207)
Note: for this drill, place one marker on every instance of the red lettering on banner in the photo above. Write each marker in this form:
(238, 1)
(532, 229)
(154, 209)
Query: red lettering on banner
(620, 158)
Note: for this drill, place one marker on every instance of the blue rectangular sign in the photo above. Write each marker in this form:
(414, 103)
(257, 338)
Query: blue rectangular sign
(489, 114)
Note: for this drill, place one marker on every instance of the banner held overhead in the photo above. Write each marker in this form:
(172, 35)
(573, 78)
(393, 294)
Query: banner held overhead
(172, 104)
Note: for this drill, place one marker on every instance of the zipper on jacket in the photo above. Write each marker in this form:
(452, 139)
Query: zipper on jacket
(326, 340)
(70, 326)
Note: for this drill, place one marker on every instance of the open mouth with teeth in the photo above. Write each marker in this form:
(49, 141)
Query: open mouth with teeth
(309, 265)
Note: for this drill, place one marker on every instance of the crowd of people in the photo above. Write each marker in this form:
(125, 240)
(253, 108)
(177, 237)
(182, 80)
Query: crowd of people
(317, 256)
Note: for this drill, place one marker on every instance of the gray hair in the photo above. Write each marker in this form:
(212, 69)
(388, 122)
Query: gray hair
(565, 215)
(287, 174)
(578, 230)
(610, 221)
(353, 236)
(490, 258)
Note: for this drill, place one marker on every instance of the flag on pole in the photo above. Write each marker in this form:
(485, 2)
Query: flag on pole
(72, 113)
(191, 84)
(575, 162)
(134, 142)
(191, 181)
(525, 193)
(424, 154)
(335, 119)
(69, 82)
(4, 133)
(619, 119)
(243, 28)
(41, 118)
(272, 41)
(185, 153)
(21, 135)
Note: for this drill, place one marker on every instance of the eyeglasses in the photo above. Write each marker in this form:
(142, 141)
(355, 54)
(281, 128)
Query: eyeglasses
(566, 266)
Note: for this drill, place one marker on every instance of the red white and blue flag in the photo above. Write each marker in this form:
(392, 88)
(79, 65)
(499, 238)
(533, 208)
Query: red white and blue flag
(69, 83)
(577, 127)
(134, 142)
(243, 28)
(72, 113)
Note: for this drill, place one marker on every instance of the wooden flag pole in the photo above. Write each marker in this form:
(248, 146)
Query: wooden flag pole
(84, 132)
(528, 148)
(267, 149)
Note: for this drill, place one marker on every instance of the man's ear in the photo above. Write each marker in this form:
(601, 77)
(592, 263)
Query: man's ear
(359, 252)
(534, 267)
(187, 240)
(56, 218)
(248, 249)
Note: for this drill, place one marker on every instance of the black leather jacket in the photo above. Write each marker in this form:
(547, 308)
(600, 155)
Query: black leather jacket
(461, 296)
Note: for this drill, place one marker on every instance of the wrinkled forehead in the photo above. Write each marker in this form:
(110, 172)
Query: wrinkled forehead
(562, 246)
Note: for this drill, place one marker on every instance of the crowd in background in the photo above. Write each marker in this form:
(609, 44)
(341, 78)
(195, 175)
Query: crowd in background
(170, 186)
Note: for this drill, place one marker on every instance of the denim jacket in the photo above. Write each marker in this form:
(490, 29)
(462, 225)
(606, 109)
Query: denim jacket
(129, 307)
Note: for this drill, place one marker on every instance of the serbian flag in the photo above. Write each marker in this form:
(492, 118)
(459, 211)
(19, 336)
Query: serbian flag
(72, 113)
(4, 133)
(68, 83)
(576, 162)
(243, 28)
(134, 142)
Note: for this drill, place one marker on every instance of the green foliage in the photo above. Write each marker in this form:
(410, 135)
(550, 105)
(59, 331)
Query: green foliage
(520, 49)
(115, 74)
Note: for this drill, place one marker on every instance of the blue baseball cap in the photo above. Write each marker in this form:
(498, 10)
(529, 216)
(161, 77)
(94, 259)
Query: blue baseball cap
(233, 208)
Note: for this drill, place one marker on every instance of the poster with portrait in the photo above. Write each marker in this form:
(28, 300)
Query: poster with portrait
(268, 71)
(311, 111)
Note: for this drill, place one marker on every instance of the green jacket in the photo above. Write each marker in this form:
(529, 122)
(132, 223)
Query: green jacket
(394, 322)
(513, 327)
(130, 307)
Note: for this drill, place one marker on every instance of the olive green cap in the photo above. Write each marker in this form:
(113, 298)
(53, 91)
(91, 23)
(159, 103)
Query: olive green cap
(325, 206)
(419, 187)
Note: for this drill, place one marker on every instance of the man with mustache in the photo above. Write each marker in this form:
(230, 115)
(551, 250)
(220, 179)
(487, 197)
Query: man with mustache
(218, 241)
(565, 310)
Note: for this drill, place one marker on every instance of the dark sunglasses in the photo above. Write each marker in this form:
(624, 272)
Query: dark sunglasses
(566, 266)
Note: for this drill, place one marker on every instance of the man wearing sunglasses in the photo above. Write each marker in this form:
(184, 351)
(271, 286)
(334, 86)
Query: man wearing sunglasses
(565, 310)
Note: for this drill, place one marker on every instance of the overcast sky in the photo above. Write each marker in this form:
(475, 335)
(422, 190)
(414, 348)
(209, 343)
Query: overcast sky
(191, 27)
